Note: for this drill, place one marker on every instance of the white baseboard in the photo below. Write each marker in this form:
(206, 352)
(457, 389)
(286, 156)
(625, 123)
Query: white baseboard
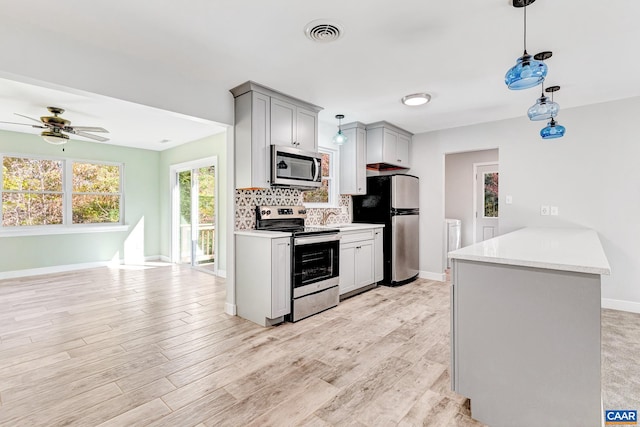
(164, 258)
(55, 269)
(64, 268)
(230, 308)
(616, 304)
(222, 273)
(429, 275)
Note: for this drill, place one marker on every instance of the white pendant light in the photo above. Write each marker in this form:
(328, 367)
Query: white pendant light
(339, 138)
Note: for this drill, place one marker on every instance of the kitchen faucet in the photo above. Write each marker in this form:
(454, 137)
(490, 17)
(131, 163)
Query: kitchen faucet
(325, 217)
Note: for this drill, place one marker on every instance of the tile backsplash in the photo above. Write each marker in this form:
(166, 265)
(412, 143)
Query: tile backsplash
(247, 200)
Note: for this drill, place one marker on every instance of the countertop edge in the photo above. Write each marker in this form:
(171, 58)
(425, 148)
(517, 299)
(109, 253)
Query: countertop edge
(534, 264)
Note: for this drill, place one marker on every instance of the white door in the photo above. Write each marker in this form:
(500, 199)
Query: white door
(486, 202)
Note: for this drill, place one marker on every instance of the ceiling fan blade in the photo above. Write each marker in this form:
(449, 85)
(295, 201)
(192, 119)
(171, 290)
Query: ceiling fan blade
(27, 117)
(89, 129)
(25, 124)
(88, 135)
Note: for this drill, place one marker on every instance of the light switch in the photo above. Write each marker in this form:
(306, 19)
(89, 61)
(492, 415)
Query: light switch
(554, 210)
(544, 210)
(508, 199)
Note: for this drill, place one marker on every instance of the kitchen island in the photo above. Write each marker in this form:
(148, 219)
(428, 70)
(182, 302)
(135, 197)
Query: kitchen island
(525, 333)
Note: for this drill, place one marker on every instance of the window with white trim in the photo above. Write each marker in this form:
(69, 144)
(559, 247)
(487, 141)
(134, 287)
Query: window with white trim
(41, 192)
(326, 195)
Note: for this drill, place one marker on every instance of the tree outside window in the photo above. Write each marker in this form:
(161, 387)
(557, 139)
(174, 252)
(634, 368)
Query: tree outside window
(41, 192)
(324, 196)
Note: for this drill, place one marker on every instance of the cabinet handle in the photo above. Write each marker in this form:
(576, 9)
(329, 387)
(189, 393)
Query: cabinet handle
(399, 160)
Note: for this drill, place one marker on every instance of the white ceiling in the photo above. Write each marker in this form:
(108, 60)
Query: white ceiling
(456, 51)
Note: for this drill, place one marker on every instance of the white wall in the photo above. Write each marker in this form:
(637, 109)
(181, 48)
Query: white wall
(591, 175)
(459, 188)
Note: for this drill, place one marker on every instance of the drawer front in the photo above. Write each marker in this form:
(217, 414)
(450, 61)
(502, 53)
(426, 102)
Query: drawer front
(356, 236)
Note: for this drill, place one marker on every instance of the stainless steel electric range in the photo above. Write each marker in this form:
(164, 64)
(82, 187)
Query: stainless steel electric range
(315, 259)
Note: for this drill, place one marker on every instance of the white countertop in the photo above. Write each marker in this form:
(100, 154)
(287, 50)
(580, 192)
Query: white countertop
(262, 233)
(566, 249)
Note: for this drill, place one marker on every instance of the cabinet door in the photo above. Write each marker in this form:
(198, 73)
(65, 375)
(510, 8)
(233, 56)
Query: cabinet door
(280, 277)
(361, 162)
(347, 268)
(364, 264)
(306, 129)
(283, 122)
(378, 259)
(402, 150)
(389, 146)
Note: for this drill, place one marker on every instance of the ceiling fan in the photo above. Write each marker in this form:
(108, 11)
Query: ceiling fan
(56, 128)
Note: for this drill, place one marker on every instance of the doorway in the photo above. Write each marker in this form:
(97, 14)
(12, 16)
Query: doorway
(194, 214)
(486, 195)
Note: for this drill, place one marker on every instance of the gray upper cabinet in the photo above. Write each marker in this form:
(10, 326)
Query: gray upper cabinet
(353, 159)
(388, 146)
(293, 125)
(263, 117)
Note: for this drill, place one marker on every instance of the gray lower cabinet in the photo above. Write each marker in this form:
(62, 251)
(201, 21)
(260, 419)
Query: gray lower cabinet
(526, 344)
(263, 278)
(359, 252)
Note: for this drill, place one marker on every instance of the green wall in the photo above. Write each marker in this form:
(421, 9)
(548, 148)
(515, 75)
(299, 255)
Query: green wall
(215, 145)
(141, 209)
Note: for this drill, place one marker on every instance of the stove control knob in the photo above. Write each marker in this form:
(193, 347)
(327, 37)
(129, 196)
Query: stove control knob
(268, 211)
(302, 211)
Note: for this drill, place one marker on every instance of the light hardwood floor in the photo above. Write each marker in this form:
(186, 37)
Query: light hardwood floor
(129, 347)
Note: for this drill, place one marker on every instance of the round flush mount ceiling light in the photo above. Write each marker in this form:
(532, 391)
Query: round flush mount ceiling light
(323, 31)
(416, 99)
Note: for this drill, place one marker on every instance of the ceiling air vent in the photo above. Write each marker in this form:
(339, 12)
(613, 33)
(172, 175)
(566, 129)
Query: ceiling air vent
(323, 31)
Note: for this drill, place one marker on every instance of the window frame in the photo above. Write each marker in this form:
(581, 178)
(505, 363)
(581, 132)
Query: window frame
(332, 178)
(67, 226)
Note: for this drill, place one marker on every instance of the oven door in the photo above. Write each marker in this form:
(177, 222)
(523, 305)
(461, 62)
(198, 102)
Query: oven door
(315, 263)
(292, 167)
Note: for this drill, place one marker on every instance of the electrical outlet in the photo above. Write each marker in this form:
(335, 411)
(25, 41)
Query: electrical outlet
(554, 210)
(345, 210)
(508, 200)
(544, 210)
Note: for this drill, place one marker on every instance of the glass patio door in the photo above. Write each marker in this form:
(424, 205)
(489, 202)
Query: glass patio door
(196, 216)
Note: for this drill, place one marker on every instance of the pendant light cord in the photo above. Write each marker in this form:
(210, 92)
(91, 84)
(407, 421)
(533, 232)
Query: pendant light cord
(525, 25)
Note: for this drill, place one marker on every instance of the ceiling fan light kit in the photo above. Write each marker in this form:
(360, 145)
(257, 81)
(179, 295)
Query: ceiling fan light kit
(54, 137)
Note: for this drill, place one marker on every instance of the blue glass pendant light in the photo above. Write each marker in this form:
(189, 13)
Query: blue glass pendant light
(528, 71)
(339, 138)
(553, 129)
(543, 109)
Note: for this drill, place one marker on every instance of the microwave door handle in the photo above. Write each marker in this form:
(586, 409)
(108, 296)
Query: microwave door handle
(316, 169)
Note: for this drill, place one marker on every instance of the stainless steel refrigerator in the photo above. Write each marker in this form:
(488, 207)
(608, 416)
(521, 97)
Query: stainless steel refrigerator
(393, 200)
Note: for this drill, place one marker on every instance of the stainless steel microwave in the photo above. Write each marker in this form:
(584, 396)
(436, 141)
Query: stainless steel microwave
(292, 167)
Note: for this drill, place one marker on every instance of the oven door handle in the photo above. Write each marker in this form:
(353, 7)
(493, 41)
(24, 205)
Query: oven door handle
(316, 239)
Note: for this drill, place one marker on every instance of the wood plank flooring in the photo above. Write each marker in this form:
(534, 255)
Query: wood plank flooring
(152, 346)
